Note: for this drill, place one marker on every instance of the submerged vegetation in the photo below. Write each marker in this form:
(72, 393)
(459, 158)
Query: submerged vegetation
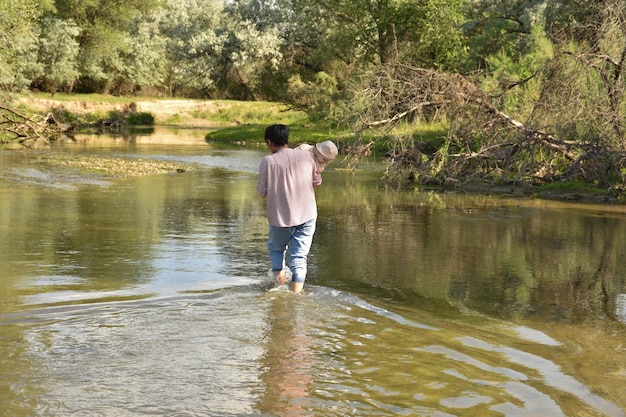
(118, 167)
(106, 167)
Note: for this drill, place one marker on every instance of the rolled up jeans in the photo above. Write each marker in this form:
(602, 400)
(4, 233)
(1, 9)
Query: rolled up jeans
(298, 240)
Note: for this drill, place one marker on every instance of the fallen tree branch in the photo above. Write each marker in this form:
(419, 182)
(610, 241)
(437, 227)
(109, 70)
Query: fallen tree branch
(401, 115)
(28, 131)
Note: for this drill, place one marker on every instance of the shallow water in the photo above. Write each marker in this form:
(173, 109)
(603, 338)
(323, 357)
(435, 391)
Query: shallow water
(150, 296)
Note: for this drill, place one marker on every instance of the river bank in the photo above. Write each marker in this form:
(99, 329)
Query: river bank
(165, 111)
(237, 122)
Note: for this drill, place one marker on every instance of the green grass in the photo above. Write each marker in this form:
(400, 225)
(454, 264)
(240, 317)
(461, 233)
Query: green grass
(143, 118)
(250, 112)
(254, 134)
(434, 133)
(252, 118)
(88, 98)
(407, 134)
(570, 187)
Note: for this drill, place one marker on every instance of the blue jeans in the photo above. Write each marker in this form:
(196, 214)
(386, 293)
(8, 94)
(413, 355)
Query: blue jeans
(298, 239)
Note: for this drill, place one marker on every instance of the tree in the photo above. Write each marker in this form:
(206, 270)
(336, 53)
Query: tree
(293, 49)
(543, 112)
(143, 61)
(356, 38)
(370, 31)
(439, 41)
(104, 36)
(574, 20)
(58, 53)
(194, 44)
(252, 46)
(18, 42)
(583, 94)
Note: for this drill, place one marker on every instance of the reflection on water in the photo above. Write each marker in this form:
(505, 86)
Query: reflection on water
(620, 307)
(245, 351)
(149, 296)
(506, 258)
(286, 368)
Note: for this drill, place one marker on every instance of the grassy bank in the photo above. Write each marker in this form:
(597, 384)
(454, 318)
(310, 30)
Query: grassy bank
(299, 133)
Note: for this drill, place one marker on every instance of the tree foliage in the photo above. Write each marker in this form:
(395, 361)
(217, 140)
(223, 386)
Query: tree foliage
(104, 36)
(58, 53)
(193, 43)
(18, 42)
(541, 110)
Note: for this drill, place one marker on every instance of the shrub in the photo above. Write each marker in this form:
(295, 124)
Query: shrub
(141, 118)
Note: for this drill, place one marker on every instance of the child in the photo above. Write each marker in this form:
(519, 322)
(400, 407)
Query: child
(322, 153)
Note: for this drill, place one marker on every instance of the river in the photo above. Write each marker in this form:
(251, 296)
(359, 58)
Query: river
(150, 296)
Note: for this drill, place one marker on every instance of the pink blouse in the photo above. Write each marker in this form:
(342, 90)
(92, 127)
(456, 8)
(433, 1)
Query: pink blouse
(287, 179)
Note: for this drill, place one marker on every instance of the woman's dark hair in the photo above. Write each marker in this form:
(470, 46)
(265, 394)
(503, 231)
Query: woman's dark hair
(277, 134)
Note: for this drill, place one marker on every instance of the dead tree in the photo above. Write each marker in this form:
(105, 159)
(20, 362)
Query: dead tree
(29, 131)
(483, 144)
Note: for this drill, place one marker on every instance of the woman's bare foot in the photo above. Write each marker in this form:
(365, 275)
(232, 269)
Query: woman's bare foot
(296, 287)
(279, 276)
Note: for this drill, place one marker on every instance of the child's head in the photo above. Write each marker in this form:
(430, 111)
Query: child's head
(326, 151)
(277, 134)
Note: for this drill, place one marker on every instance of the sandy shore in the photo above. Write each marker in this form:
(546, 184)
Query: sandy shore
(185, 111)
